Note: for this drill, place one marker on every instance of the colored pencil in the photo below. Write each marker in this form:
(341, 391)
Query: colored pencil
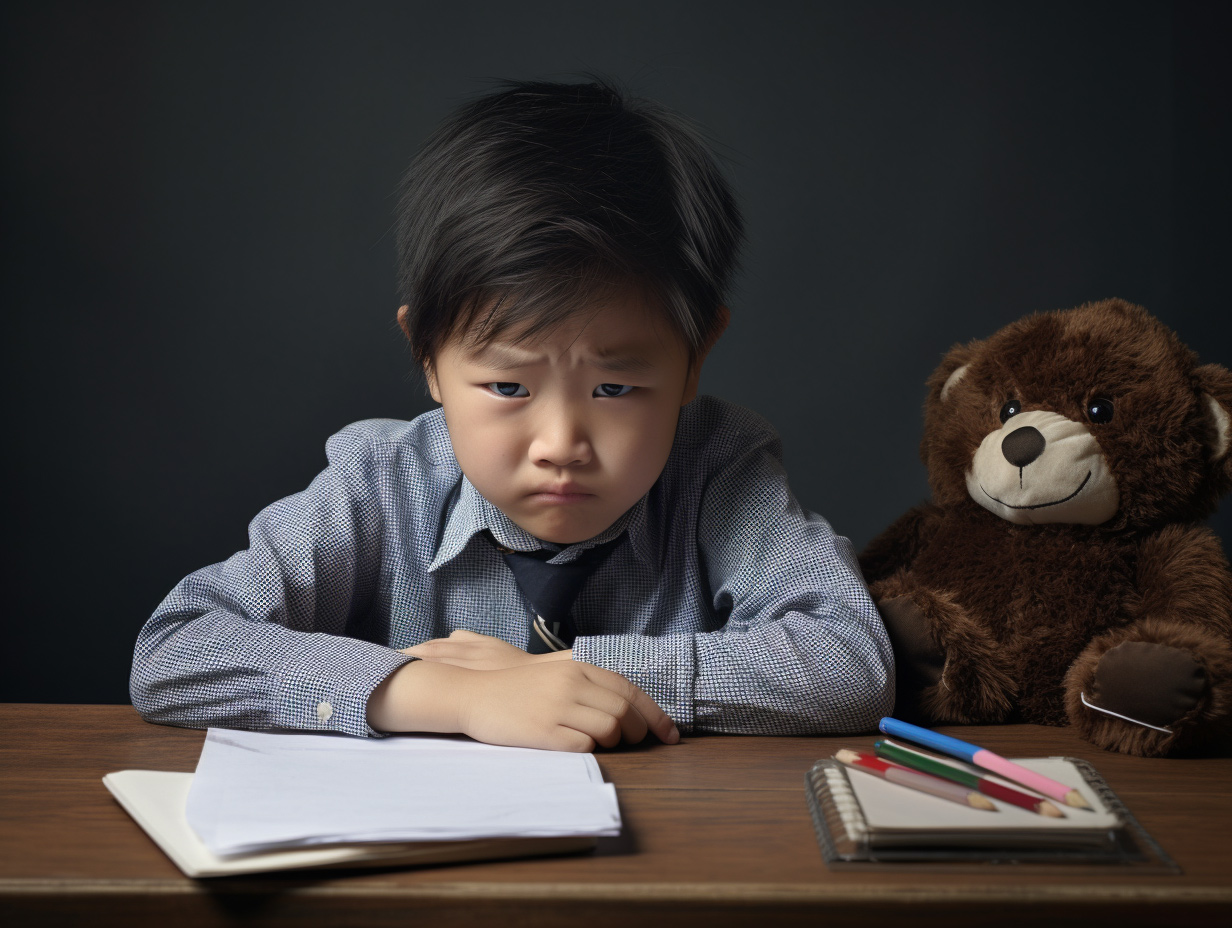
(981, 757)
(926, 764)
(913, 780)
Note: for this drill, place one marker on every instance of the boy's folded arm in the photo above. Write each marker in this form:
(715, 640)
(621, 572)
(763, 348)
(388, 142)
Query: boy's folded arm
(264, 639)
(224, 670)
(561, 706)
(803, 649)
(810, 667)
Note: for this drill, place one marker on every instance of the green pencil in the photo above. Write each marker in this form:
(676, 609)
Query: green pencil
(926, 764)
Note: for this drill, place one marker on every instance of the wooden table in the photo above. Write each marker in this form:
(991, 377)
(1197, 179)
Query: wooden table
(716, 832)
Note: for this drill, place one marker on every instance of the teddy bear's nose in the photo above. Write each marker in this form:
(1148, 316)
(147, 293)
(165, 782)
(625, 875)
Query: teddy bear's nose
(1022, 446)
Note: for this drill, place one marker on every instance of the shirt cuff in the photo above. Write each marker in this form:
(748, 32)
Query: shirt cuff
(328, 680)
(664, 666)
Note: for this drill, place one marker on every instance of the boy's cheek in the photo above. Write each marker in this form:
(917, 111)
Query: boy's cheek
(485, 447)
(644, 445)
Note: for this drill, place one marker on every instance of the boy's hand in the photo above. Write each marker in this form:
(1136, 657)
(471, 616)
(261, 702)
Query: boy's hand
(559, 706)
(478, 652)
(562, 707)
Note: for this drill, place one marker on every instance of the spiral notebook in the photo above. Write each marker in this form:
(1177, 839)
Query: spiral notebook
(861, 819)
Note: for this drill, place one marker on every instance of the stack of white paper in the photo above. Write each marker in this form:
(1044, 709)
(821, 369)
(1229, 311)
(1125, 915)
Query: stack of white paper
(256, 791)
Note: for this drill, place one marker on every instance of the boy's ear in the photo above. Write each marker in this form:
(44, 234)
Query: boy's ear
(404, 323)
(430, 376)
(722, 318)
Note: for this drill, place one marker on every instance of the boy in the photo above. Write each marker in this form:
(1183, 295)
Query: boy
(572, 550)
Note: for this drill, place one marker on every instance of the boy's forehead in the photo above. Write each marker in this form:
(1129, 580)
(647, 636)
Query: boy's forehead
(621, 334)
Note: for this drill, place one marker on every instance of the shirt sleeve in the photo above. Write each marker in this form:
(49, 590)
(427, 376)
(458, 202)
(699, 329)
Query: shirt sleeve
(265, 638)
(803, 649)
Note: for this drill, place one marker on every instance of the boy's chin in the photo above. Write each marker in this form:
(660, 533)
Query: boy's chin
(560, 532)
(567, 537)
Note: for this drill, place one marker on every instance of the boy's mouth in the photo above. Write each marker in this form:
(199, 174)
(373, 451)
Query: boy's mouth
(560, 493)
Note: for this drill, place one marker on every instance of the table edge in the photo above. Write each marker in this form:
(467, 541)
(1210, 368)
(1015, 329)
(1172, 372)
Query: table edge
(757, 893)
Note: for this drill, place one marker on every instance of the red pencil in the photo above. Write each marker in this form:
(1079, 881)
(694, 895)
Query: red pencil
(912, 779)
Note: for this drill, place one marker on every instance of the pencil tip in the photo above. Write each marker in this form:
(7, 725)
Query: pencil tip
(845, 756)
(1047, 808)
(979, 802)
(1077, 800)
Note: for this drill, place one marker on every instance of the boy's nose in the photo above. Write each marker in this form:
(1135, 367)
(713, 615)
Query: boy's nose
(561, 440)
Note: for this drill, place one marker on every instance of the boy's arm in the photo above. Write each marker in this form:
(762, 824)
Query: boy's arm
(556, 705)
(264, 639)
(803, 649)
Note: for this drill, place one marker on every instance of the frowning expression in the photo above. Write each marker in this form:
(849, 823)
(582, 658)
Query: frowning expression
(564, 433)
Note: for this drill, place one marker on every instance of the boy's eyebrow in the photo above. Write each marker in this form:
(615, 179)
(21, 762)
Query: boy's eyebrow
(509, 357)
(622, 361)
(503, 357)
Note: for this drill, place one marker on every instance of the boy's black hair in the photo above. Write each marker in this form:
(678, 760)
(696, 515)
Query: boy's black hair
(527, 203)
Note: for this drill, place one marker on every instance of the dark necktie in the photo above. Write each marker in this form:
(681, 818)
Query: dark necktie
(551, 589)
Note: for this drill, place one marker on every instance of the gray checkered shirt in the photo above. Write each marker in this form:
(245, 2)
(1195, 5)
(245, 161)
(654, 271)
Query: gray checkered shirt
(733, 608)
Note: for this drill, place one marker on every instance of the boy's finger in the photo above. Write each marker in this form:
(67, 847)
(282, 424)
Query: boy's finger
(430, 645)
(594, 723)
(632, 724)
(569, 739)
(426, 649)
(443, 647)
(458, 640)
(657, 720)
(445, 659)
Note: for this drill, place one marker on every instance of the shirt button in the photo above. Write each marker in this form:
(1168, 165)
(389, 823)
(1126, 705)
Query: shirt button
(324, 711)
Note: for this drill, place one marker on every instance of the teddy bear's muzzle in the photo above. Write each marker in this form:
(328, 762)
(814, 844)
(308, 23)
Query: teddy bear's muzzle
(1042, 467)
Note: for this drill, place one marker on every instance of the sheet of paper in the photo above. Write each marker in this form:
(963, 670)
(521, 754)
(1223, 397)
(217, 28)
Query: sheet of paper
(156, 799)
(891, 807)
(259, 790)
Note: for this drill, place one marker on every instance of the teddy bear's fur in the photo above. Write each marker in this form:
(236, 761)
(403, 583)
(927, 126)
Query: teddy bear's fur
(1015, 596)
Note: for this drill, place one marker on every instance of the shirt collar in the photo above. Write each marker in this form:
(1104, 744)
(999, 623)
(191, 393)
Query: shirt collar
(468, 513)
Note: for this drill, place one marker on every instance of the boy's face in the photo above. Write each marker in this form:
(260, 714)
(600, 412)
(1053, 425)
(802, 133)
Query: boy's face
(566, 432)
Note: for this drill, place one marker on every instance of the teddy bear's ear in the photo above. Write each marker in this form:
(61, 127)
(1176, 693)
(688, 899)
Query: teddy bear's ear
(1216, 383)
(952, 369)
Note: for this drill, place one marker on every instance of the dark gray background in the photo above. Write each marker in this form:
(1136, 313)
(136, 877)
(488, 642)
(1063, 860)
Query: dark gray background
(199, 284)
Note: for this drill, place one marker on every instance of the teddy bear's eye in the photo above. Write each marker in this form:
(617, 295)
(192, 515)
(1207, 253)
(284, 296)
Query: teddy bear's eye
(1099, 410)
(1011, 408)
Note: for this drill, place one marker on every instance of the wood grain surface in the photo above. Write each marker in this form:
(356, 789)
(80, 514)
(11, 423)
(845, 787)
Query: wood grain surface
(716, 832)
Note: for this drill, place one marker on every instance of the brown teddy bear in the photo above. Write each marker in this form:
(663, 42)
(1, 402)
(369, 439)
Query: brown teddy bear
(1060, 572)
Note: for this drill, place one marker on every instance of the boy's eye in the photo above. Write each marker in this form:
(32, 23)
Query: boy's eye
(612, 389)
(504, 388)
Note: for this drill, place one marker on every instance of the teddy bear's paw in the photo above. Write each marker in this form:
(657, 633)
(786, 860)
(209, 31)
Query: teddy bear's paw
(947, 668)
(967, 696)
(1153, 688)
(1154, 685)
(1115, 734)
(918, 661)
(914, 649)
